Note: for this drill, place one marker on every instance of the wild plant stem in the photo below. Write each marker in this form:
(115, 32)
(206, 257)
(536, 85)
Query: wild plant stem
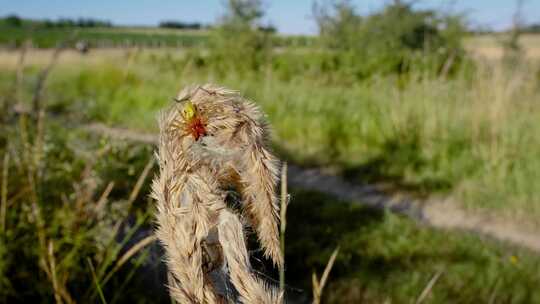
(52, 268)
(318, 286)
(3, 202)
(283, 226)
(94, 277)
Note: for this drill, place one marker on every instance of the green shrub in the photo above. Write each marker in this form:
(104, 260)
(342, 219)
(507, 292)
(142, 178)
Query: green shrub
(238, 43)
(394, 40)
(62, 237)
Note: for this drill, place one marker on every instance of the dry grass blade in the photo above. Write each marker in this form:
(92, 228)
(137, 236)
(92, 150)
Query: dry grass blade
(329, 266)
(318, 286)
(448, 65)
(52, 267)
(45, 264)
(140, 181)
(43, 75)
(315, 287)
(428, 287)
(94, 277)
(132, 55)
(86, 185)
(131, 252)
(38, 112)
(14, 98)
(134, 249)
(136, 189)
(20, 71)
(39, 222)
(3, 201)
(103, 198)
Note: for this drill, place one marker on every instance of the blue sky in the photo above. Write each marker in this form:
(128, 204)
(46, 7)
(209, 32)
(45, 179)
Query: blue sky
(289, 16)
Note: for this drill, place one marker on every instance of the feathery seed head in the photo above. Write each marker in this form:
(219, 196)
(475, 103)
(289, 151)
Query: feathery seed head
(213, 139)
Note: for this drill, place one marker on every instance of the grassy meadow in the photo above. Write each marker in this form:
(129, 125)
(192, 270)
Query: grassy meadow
(76, 220)
(472, 137)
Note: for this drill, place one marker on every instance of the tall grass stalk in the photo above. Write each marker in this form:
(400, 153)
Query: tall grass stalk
(4, 193)
(283, 222)
(59, 228)
(427, 290)
(96, 281)
(318, 285)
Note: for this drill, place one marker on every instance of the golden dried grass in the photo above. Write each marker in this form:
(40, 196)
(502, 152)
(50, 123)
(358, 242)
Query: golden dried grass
(200, 233)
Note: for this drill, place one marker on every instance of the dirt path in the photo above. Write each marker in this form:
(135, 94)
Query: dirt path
(438, 213)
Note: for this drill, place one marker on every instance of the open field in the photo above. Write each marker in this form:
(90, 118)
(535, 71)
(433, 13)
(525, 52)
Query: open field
(383, 257)
(490, 46)
(125, 37)
(41, 57)
(102, 37)
(531, 41)
(469, 136)
(473, 139)
(487, 45)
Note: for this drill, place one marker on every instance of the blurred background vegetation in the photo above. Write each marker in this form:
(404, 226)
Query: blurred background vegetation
(414, 102)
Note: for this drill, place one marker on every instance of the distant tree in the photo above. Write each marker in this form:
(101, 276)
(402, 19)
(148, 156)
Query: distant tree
(48, 23)
(243, 12)
(268, 28)
(531, 28)
(388, 40)
(70, 23)
(180, 25)
(511, 45)
(16, 21)
(13, 20)
(338, 23)
(238, 41)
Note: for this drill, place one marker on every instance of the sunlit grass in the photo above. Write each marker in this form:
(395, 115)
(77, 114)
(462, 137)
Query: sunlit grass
(473, 136)
(387, 258)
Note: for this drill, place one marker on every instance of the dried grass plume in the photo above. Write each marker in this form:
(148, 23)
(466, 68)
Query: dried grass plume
(213, 140)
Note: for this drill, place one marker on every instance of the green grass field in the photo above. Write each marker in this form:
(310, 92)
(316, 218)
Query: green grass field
(471, 136)
(105, 37)
(122, 37)
(386, 258)
(383, 257)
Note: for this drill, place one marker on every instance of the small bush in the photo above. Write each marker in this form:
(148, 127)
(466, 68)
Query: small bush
(238, 42)
(394, 40)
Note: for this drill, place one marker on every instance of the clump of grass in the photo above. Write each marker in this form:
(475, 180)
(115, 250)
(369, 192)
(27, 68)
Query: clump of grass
(387, 258)
(55, 220)
(212, 140)
(55, 216)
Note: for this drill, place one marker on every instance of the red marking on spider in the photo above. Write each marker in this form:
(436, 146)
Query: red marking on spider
(196, 127)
